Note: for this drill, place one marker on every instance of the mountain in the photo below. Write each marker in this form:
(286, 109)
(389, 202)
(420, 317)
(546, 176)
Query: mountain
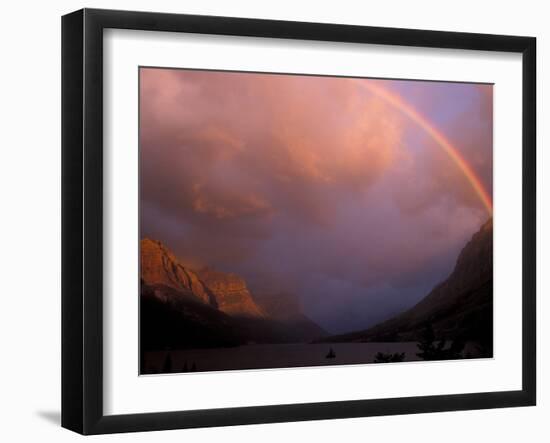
(231, 293)
(285, 307)
(185, 308)
(226, 292)
(160, 267)
(459, 308)
(172, 319)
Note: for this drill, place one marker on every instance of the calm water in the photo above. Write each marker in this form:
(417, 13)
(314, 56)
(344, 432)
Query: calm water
(273, 356)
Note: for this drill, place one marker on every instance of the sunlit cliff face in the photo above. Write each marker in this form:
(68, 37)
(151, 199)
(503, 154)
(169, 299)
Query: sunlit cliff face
(313, 185)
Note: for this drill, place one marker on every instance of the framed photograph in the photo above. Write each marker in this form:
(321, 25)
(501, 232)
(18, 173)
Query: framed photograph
(268, 221)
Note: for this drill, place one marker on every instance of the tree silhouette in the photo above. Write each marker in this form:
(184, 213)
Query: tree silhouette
(382, 357)
(167, 367)
(431, 349)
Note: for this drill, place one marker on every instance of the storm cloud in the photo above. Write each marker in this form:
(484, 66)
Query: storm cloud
(311, 185)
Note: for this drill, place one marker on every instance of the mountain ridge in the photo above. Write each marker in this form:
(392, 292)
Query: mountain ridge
(226, 292)
(182, 307)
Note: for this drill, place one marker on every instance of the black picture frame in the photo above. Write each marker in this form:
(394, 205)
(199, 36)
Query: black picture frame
(82, 220)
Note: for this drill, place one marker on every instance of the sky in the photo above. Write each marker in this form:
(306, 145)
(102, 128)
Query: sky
(315, 186)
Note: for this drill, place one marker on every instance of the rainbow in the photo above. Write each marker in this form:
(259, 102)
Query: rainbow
(454, 154)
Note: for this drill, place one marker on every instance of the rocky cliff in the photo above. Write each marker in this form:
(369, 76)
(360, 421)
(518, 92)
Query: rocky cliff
(231, 293)
(226, 292)
(160, 267)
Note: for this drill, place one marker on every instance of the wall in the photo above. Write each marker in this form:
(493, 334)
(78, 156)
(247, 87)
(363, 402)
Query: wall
(30, 190)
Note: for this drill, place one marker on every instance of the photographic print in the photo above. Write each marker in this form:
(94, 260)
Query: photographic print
(292, 220)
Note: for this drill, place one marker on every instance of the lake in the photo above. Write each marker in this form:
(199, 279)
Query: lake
(264, 356)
